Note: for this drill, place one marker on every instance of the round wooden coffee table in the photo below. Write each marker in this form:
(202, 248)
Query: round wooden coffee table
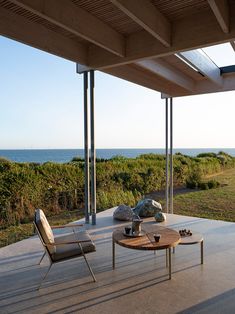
(169, 239)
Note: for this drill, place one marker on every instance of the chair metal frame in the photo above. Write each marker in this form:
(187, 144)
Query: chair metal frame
(47, 252)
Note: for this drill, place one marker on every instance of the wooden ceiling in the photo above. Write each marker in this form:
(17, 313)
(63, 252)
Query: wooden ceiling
(149, 42)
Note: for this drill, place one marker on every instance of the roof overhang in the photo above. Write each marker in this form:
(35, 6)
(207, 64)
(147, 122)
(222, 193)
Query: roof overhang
(152, 43)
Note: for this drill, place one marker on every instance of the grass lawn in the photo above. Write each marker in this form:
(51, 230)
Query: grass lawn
(216, 203)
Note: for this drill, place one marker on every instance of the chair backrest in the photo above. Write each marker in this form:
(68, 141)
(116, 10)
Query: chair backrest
(44, 230)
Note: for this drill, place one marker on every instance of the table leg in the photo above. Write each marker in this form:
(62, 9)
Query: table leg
(113, 255)
(166, 257)
(169, 250)
(202, 257)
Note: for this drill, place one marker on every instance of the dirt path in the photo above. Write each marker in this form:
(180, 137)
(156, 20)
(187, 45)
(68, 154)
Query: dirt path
(157, 195)
(214, 175)
(177, 190)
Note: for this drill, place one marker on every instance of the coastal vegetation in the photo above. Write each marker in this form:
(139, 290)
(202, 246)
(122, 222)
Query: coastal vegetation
(59, 188)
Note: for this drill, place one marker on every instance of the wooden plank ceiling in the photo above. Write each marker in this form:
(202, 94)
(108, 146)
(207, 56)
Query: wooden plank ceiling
(152, 43)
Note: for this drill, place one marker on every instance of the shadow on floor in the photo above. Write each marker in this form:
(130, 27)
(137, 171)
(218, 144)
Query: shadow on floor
(222, 303)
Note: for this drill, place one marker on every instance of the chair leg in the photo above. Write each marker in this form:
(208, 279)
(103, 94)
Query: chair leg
(89, 267)
(44, 276)
(42, 258)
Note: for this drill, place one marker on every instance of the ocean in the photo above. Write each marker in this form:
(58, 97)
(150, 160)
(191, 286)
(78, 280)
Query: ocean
(66, 155)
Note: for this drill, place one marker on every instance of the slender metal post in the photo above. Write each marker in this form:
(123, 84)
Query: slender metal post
(171, 156)
(86, 151)
(167, 161)
(93, 151)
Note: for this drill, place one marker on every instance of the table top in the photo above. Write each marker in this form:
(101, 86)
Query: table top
(193, 239)
(169, 238)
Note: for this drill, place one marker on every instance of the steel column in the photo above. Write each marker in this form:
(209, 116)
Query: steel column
(167, 161)
(86, 151)
(171, 156)
(93, 151)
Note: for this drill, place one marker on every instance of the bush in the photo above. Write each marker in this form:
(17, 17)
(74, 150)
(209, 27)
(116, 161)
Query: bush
(77, 159)
(57, 187)
(107, 199)
(151, 156)
(118, 158)
(194, 178)
(202, 155)
(212, 184)
(203, 186)
(191, 184)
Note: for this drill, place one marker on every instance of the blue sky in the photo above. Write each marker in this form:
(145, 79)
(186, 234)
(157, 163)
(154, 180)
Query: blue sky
(42, 107)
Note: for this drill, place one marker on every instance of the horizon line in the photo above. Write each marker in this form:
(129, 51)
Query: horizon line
(117, 148)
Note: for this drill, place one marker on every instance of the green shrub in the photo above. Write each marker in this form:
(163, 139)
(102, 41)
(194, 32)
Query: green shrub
(191, 184)
(203, 186)
(151, 156)
(194, 178)
(212, 184)
(111, 198)
(58, 187)
(77, 159)
(207, 155)
(118, 158)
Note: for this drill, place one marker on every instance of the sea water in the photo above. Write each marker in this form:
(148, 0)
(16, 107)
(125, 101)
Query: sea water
(66, 155)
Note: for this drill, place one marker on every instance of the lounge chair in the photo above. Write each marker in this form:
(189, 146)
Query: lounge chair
(62, 247)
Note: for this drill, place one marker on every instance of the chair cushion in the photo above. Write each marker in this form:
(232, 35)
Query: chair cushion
(45, 230)
(71, 250)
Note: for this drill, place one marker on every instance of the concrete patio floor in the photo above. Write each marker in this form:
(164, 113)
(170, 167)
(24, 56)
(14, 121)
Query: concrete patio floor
(139, 284)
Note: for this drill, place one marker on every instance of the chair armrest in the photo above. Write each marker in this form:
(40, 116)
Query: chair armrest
(69, 242)
(66, 226)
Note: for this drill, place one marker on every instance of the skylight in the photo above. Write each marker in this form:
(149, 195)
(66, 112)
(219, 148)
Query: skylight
(189, 64)
(222, 55)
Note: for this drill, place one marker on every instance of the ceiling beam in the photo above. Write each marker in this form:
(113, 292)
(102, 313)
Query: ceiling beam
(135, 74)
(232, 43)
(189, 33)
(168, 72)
(147, 15)
(204, 65)
(77, 21)
(21, 29)
(207, 87)
(220, 9)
